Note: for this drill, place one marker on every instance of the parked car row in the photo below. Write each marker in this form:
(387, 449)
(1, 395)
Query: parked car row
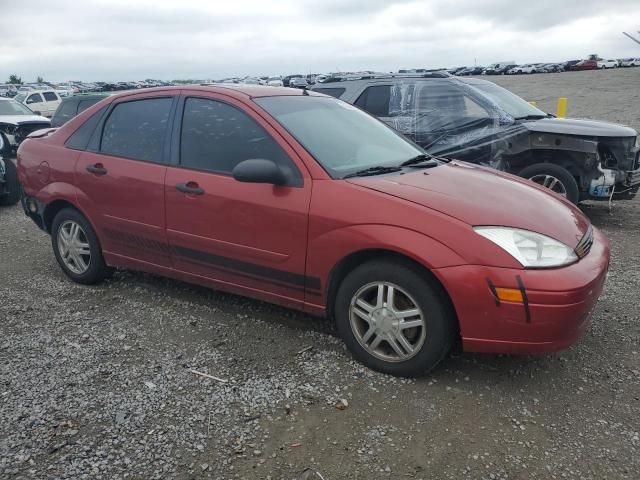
(510, 68)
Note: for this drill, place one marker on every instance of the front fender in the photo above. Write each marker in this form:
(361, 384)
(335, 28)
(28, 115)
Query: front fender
(336, 245)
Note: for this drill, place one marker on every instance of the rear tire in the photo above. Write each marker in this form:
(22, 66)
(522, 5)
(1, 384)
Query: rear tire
(555, 177)
(12, 185)
(77, 248)
(421, 346)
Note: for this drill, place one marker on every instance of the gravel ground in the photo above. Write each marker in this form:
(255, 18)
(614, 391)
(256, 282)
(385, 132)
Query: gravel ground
(96, 382)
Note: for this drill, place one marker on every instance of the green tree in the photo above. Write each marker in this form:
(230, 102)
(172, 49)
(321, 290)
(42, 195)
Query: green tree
(15, 80)
(39, 79)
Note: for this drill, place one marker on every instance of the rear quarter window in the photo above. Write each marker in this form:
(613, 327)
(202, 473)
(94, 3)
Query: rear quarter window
(80, 138)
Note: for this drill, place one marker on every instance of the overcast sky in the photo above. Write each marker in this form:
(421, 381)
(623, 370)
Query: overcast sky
(136, 39)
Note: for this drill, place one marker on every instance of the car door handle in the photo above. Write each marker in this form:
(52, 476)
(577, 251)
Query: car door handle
(97, 169)
(190, 187)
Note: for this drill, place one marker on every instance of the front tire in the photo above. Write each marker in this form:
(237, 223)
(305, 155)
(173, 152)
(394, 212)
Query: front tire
(554, 177)
(393, 319)
(77, 248)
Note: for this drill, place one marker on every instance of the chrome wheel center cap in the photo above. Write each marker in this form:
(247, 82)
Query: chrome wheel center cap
(384, 320)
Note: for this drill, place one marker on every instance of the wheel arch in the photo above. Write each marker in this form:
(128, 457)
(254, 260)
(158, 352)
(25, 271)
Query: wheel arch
(351, 261)
(52, 208)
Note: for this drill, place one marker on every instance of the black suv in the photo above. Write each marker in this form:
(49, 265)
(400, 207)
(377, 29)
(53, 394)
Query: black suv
(480, 122)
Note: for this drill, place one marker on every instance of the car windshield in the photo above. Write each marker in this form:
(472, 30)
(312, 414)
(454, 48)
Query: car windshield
(341, 137)
(509, 102)
(20, 97)
(11, 107)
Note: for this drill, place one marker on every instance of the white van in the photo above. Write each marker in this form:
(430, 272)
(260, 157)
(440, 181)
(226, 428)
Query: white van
(41, 102)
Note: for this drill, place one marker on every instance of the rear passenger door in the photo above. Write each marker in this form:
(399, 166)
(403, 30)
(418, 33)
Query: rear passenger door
(121, 178)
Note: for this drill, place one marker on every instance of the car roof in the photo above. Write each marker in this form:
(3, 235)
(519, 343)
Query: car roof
(88, 96)
(474, 81)
(232, 89)
(42, 91)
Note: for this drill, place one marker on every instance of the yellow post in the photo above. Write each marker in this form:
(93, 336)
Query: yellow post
(561, 112)
(534, 103)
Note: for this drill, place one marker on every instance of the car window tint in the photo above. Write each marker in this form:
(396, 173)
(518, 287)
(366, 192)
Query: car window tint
(50, 97)
(216, 137)
(34, 98)
(137, 129)
(375, 100)
(80, 138)
(334, 92)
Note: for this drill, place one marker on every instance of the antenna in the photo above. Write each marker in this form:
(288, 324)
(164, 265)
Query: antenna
(632, 37)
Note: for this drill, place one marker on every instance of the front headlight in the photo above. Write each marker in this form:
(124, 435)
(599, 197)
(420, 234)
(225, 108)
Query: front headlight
(531, 249)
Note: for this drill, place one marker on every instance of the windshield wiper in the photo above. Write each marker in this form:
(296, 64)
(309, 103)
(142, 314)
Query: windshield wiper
(531, 117)
(373, 171)
(423, 160)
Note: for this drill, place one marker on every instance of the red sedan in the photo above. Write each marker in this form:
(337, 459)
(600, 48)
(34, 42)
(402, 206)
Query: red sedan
(585, 65)
(303, 200)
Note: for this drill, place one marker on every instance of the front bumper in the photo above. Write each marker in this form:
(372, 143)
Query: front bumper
(558, 306)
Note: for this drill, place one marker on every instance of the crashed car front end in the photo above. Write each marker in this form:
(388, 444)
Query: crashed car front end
(619, 163)
(16, 132)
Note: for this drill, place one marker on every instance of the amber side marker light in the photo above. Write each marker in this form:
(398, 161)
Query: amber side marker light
(514, 295)
(509, 294)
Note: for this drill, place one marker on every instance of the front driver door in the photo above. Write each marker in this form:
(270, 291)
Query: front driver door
(245, 236)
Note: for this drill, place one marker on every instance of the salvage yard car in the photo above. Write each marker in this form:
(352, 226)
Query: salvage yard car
(17, 121)
(303, 200)
(611, 63)
(42, 102)
(480, 122)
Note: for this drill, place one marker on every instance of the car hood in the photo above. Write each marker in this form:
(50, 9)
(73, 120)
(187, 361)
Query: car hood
(481, 196)
(18, 119)
(584, 127)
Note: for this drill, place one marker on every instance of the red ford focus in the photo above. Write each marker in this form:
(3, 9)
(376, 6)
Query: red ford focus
(303, 200)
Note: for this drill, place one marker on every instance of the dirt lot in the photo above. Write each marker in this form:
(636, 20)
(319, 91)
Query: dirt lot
(96, 383)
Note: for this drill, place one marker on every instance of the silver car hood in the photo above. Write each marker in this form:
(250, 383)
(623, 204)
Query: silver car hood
(18, 119)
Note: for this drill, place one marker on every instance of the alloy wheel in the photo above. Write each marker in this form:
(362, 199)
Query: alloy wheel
(550, 182)
(387, 322)
(73, 247)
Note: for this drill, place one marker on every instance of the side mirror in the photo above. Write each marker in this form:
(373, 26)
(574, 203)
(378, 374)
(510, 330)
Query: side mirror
(259, 170)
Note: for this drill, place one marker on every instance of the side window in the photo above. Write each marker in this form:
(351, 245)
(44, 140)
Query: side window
(216, 137)
(50, 97)
(334, 92)
(34, 98)
(137, 129)
(375, 100)
(443, 106)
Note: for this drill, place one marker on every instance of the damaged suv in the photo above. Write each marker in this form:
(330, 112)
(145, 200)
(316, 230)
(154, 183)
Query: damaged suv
(480, 122)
